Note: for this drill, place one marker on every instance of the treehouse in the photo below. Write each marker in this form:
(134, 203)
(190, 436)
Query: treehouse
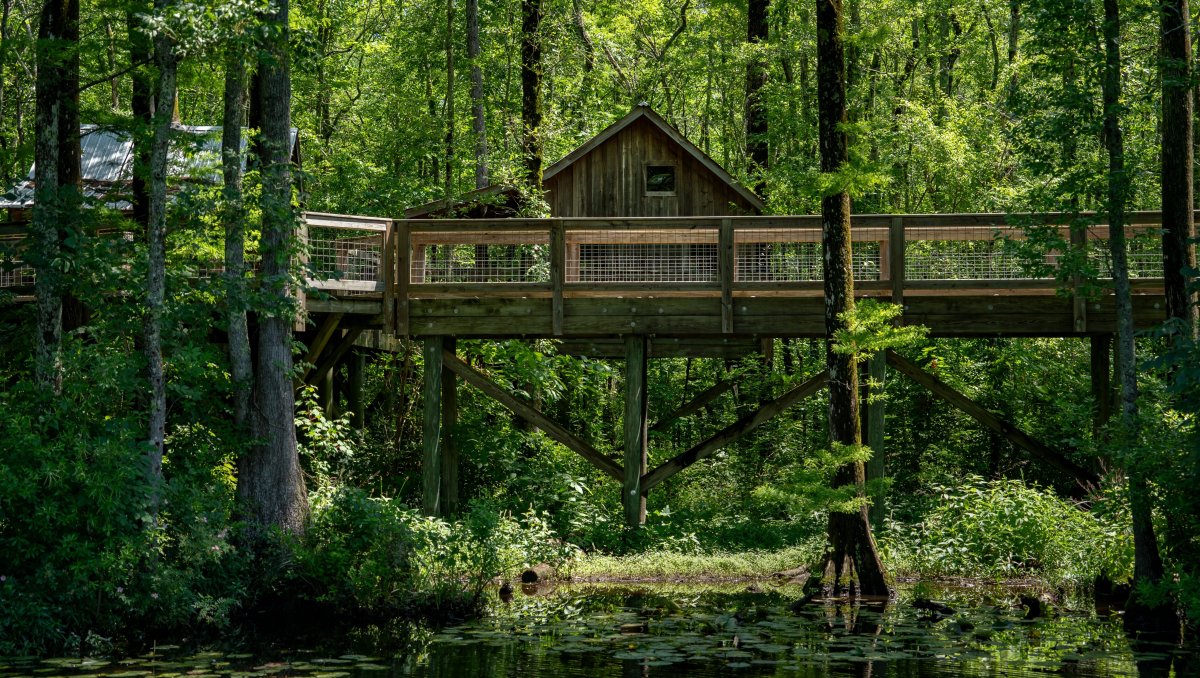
(653, 250)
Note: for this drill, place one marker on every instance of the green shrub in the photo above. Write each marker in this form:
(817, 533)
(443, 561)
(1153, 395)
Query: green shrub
(1004, 528)
(367, 553)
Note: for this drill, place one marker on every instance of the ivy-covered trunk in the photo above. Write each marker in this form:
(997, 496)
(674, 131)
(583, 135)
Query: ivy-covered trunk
(851, 549)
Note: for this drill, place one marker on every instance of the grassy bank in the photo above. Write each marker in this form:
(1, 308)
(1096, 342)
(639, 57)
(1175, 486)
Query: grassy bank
(670, 566)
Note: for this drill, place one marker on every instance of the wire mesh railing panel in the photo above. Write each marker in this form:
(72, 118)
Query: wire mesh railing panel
(1143, 256)
(480, 263)
(963, 260)
(17, 274)
(646, 262)
(340, 254)
(799, 261)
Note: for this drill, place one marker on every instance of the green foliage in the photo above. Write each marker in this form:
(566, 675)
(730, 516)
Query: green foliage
(1004, 528)
(373, 554)
(868, 329)
(808, 488)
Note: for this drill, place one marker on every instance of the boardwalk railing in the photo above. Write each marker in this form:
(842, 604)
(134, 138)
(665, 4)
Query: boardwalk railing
(351, 257)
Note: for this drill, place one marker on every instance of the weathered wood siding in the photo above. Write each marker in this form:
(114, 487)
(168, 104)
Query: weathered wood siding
(610, 181)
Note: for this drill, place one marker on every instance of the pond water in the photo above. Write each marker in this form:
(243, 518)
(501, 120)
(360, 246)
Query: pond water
(650, 630)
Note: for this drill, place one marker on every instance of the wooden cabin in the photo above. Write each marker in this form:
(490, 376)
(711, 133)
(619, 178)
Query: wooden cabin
(641, 166)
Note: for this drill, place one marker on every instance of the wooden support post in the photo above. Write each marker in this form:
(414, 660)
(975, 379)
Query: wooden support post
(896, 250)
(450, 483)
(1078, 299)
(354, 389)
(558, 275)
(1101, 349)
(431, 467)
(1016, 436)
(387, 277)
(300, 322)
(326, 398)
(725, 266)
(404, 268)
(633, 496)
(874, 425)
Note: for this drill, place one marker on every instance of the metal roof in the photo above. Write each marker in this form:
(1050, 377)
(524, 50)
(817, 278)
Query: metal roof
(106, 163)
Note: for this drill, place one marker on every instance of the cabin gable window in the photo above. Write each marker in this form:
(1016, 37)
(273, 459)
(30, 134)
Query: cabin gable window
(660, 179)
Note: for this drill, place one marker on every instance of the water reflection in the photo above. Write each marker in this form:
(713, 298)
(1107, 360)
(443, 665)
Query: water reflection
(669, 630)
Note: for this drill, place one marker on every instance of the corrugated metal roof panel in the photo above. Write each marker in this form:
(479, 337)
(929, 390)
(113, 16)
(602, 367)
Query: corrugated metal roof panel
(107, 163)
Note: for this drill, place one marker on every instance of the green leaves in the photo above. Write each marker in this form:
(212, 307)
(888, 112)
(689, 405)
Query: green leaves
(869, 329)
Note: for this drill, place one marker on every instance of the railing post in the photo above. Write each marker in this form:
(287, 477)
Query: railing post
(896, 241)
(387, 276)
(558, 255)
(402, 275)
(725, 266)
(300, 322)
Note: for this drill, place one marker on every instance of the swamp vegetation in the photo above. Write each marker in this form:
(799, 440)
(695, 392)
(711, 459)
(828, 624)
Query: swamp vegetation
(169, 504)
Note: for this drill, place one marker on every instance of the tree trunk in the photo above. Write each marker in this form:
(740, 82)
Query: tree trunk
(1177, 154)
(756, 78)
(233, 219)
(142, 104)
(449, 183)
(851, 549)
(1148, 567)
(270, 482)
(156, 242)
(531, 90)
(478, 122)
(56, 175)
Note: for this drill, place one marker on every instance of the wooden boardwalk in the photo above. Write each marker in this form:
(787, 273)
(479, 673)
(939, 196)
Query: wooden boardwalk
(710, 281)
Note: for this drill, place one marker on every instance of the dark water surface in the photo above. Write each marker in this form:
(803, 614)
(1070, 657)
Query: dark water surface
(672, 630)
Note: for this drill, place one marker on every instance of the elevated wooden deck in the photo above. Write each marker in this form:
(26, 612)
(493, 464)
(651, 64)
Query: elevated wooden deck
(715, 281)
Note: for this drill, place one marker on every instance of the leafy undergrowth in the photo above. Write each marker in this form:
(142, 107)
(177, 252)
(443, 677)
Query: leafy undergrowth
(670, 565)
(1005, 529)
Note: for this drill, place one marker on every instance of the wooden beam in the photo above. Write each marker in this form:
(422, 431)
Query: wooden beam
(725, 270)
(733, 432)
(985, 417)
(710, 394)
(557, 276)
(531, 415)
(431, 441)
(387, 277)
(333, 357)
(896, 242)
(328, 326)
(403, 276)
(633, 497)
(450, 482)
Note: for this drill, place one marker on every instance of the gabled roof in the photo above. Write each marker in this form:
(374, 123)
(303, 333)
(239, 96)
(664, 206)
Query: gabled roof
(500, 197)
(641, 111)
(106, 163)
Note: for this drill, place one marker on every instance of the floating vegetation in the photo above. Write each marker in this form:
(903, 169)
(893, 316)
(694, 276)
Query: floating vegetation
(664, 630)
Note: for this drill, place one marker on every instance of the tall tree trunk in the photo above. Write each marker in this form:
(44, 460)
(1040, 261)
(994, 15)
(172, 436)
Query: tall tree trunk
(156, 241)
(531, 90)
(851, 548)
(56, 175)
(270, 482)
(142, 104)
(233, 218)
(478, 122)
(1147, 567)
(1177, 155)
(756, 79)
(449, 183)
(1014, 35)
